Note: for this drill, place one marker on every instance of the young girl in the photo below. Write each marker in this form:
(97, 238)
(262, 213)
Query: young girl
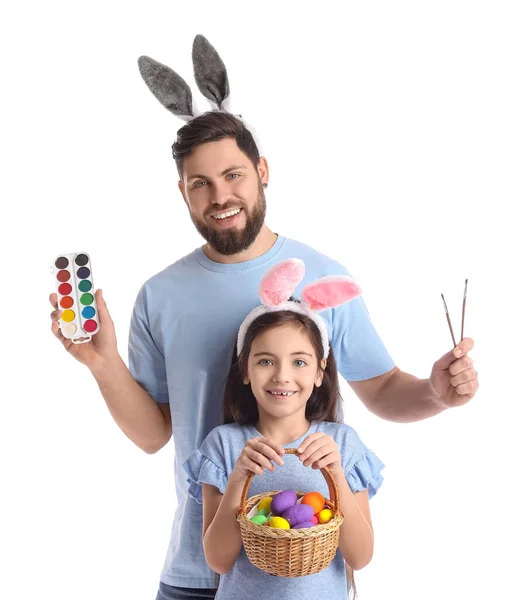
(281, 392)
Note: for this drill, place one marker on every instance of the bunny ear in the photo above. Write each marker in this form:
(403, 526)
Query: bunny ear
(169, 88)
(329, 292)
(281, 280)
(210, 72)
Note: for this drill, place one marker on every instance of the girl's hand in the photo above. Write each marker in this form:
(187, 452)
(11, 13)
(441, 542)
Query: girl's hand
(256, 457)
(320, 450)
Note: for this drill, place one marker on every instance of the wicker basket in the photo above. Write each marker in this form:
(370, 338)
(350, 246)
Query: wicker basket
(290, 552)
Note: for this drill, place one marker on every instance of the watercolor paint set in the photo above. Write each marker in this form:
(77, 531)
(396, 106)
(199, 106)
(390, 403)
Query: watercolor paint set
(75, 289)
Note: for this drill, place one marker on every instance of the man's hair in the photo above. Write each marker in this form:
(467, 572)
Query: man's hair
(213, 126)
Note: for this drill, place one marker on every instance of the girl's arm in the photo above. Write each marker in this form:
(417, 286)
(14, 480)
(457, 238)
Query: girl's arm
(221, 532)
(221, 536)
(356, 537)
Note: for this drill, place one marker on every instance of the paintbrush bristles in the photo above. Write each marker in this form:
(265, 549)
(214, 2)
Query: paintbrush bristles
(463, 315)
(463, 311)
(449, 321)
(445, 305)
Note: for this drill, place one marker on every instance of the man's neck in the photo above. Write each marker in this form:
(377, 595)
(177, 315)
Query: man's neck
(265, 240)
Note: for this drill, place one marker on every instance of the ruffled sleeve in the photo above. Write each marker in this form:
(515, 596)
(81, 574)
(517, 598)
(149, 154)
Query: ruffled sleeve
(201, 469)
(365, 473)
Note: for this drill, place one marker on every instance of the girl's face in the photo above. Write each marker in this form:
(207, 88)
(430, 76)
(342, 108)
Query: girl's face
(283, 369)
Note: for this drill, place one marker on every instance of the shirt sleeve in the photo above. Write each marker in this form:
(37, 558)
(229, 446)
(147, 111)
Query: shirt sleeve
(362, 467)
(359, 352)
(145, 358)
(206, 465)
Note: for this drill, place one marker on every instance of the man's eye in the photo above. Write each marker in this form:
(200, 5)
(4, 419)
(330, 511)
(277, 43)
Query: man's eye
(200, 184)
(233, 175)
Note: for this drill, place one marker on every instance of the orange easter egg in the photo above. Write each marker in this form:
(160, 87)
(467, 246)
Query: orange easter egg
(314, 499)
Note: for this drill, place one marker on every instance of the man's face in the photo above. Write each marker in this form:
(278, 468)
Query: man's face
(224, 194)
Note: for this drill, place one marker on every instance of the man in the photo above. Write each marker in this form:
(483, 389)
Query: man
(186, 319)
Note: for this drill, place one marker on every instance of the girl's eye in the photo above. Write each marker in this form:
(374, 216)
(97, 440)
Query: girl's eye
(300, 363)
(264, 361)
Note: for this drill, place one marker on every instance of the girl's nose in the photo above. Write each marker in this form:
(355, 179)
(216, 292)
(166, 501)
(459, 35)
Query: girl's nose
(280, 376)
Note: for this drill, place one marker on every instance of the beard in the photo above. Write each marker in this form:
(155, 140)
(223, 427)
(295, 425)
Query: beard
(233, 240)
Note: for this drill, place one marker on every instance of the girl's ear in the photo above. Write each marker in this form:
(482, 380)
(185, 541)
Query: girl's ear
(321, 372)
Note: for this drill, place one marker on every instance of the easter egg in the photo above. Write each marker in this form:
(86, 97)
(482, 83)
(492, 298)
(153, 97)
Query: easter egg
(304, 525)
(299, 513)
(259, 519)
(282, 501)
(279, 523)
(314, 520)
(325, 515)
(314, 499)
(263, 511)
(265, 504)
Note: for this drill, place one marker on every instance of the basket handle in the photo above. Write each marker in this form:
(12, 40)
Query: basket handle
(325, 471)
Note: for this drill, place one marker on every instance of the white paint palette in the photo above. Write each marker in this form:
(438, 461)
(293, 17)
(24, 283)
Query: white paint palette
(75, 289)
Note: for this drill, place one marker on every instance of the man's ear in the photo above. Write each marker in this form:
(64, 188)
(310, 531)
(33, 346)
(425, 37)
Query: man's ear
(263, 170)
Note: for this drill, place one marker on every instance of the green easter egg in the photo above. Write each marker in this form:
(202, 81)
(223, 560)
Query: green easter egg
(259, 519)
(264, 512)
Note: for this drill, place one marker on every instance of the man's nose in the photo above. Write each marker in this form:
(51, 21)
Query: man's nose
(220, 193)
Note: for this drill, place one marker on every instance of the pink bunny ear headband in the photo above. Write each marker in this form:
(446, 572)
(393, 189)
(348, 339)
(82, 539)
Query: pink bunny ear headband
(280, 282)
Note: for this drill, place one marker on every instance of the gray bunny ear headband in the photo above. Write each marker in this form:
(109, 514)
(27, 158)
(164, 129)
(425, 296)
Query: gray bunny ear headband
(174, 93)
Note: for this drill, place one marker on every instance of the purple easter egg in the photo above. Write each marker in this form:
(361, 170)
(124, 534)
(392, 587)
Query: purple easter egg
(282, 501)
(304, 525)
(299, 513)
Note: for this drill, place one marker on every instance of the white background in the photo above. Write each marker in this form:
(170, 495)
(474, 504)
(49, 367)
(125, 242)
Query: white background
(392, 131)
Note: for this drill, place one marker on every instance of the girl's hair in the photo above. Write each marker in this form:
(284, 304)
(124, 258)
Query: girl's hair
(239, 404)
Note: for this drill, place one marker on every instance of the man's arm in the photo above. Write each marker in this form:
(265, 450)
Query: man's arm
(146, 422)
(143, 420)
(398, 396)
(401, 397)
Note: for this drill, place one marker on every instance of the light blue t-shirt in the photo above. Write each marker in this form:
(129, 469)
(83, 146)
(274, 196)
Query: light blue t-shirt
(213, 464)
(182, 333)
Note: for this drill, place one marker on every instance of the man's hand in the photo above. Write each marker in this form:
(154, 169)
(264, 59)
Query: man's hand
(103, 345)
(453, 378)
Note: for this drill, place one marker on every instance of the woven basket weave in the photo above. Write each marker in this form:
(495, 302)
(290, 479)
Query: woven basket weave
(290, 552)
